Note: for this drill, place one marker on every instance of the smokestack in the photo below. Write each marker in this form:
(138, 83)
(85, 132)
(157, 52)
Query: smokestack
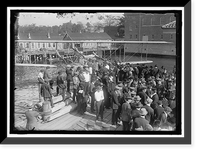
(48, 35)
(29, 36)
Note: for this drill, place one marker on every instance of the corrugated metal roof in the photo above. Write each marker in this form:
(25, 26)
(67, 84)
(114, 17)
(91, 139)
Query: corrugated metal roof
(171, 25)
(88, 36)
(39, 36)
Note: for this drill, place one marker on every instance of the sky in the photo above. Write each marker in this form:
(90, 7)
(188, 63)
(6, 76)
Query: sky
(51, 19)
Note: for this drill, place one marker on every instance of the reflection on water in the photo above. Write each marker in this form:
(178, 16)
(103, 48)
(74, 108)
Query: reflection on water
(27, 94)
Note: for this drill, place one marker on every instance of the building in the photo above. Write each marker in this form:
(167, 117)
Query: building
(149, 27)
(89, 47)
(36, 46)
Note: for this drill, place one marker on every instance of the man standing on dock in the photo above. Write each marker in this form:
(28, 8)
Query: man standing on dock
(69, 77)
(47, 77)
(99, 98)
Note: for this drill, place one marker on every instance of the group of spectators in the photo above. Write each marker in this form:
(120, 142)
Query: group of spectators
(141, 97)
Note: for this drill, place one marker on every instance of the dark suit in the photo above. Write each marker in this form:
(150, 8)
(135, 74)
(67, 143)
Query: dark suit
(158, 111)
(143, 97)
(126, 116)
(114, 105)
(69, 78)
(155, 99)
(150, 115)
(140, 122)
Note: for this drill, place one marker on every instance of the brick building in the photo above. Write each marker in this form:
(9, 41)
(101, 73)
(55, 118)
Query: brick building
(150, 27)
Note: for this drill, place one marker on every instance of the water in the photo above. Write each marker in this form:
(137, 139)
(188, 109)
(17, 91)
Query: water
(167, 62)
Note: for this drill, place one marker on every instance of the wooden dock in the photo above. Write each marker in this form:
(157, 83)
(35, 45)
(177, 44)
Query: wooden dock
(73, 121)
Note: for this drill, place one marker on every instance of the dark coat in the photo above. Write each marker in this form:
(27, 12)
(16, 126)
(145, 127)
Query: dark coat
(115, 100)
(155, 99)
(143, 97)
(69, 74)
(60, 82)
(126, 112)
(135, 113)
(150, 115)
(140, 122)
(158, 111)
(46, 91)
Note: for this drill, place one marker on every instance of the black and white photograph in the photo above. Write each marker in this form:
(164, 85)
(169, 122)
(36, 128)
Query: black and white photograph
(96, 71)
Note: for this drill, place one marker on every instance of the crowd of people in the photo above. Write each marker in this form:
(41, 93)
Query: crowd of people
(141, 97)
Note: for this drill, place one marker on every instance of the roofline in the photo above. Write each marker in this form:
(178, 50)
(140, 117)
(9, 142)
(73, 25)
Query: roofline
(68, 35)
(93, 41)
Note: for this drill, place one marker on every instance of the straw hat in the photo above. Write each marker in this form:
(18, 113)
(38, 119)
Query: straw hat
(143, 112)
(68, 66)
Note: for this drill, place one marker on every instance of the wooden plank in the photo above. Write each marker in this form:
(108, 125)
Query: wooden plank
(72, 121)
(53, 122)
(57, 121)
(77, 128)
(62, 111)
(65, 121)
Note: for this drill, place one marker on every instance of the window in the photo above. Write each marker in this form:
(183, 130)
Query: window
(161, 36)
(152, 36)
(130, 36)
(142, 21)
(32, 45)
(77, 45)
(54, 45)
(136, 36)
(43, 45)
(171, 36)
(49, 44)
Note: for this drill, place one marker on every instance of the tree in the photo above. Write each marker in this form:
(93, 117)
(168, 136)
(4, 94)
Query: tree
(88, 27)
(98, 27)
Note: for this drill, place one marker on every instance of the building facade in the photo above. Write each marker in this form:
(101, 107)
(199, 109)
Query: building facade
(149, 27)
(36, 46)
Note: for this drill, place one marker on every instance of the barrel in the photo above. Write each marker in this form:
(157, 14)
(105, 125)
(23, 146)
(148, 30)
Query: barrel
(46, 107)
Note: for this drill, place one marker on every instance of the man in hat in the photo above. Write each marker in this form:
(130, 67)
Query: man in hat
(69, 77)
(160, 88)
(158, 110)
(47, 77)
(40, 82)
(126, 113)
(46, 92)
(164, 117)
(76, 82)
(60, 84)
(143, 94)
(115, 104)
(80, 97)
(155, 98)
(32, 122)
(150, 114)
(86, 75)
(99, 101)
(141, 121)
